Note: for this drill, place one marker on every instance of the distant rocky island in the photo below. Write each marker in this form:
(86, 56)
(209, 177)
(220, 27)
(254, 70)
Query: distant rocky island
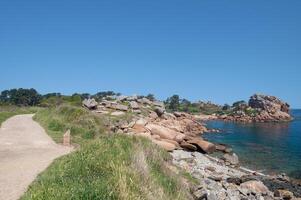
(260, 108)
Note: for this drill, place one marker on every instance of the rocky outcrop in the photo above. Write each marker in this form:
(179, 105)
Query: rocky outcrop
(268, 103)
(270, 108)
(261, 108)
(90, 104)
(178, 130)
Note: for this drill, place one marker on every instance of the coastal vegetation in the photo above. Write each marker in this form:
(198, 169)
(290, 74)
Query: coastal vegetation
(175, 103)
(20, 97)
(30, 97)
(105, 165)
(111, 167)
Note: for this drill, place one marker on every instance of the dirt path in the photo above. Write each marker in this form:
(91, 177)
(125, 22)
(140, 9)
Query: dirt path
(25, 151)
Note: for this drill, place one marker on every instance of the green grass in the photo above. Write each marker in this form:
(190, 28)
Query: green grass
(107, 165)
(112, 167)
(9, 111)
(82, 123)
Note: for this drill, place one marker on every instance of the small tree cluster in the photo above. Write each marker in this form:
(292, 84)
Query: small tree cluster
(21, 97)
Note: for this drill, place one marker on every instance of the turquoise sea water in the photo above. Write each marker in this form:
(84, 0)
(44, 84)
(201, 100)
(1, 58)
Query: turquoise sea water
(267, 147)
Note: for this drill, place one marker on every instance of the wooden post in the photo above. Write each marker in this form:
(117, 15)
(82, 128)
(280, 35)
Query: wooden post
(67, 138)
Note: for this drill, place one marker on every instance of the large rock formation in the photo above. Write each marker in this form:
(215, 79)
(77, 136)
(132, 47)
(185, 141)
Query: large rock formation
(270, 108)
(171, 131)
(261, 108)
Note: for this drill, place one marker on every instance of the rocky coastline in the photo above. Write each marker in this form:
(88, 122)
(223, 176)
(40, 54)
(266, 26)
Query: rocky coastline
(180, 134)
(149, 119)
(218, 180)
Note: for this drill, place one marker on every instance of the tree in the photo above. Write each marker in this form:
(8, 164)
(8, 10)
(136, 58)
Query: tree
(239, 103)
(185, 104)
(151, 97)
(173, 102)
(226, 107)
(100, 95)
(85, 96)
(52, 95)
(21, 97)
(4, 96)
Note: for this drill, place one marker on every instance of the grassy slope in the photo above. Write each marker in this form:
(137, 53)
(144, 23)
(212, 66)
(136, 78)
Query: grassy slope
(107, 166)
(9, 111)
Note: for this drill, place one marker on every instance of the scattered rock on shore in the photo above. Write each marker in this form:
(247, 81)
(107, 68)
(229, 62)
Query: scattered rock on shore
(232, 159)
(221, 182)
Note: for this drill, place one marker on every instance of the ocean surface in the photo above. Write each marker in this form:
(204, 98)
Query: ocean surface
(267, 147)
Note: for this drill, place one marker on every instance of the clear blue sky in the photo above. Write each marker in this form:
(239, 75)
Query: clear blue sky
(200, 49)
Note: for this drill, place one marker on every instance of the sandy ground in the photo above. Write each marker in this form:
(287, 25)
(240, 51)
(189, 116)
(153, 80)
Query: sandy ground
(25, 151)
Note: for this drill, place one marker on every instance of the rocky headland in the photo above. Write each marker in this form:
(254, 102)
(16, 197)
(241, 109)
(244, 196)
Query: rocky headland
(180, 134)
(260, 108)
